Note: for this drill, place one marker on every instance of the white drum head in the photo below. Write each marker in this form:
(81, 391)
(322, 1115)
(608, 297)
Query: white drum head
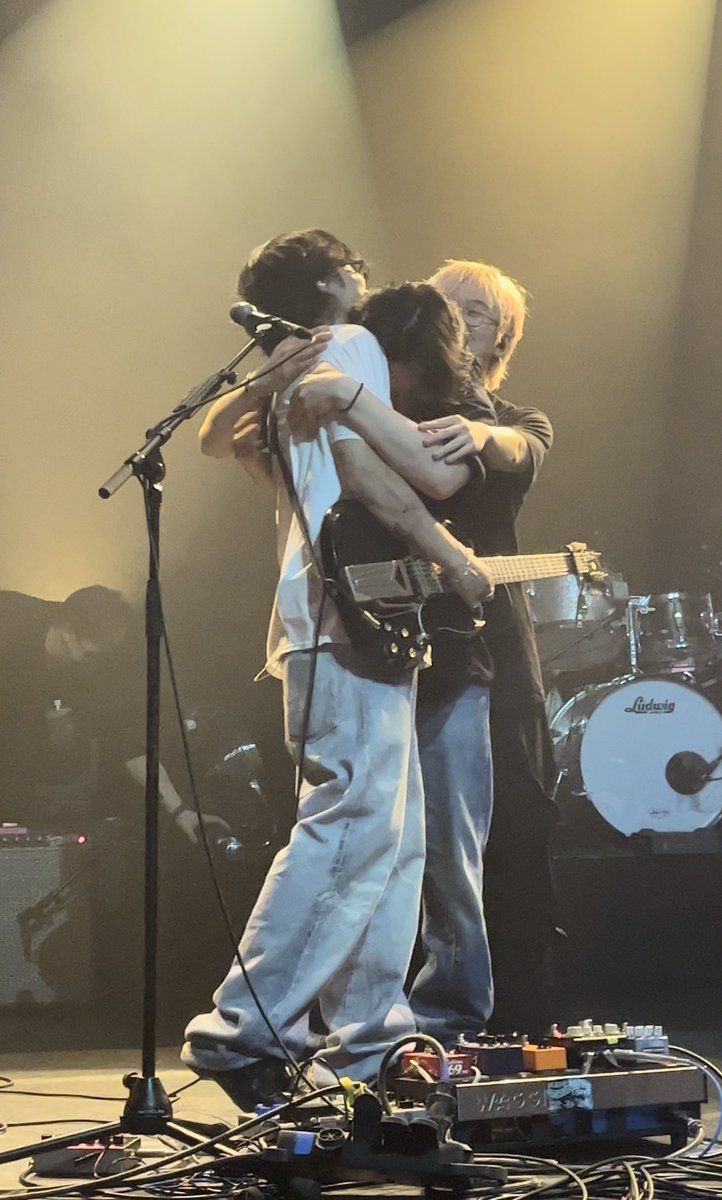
(628, 742)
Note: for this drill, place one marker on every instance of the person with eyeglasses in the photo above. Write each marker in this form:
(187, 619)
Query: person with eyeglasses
(508, 444)
(512, 443)
(333, 929)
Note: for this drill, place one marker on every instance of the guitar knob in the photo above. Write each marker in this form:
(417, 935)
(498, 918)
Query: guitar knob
(413, 653)
(393, 648)
(404, 633)
(387, 627)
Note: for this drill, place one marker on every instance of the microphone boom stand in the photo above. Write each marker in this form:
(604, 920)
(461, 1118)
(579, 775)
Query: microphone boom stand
(148, 1109)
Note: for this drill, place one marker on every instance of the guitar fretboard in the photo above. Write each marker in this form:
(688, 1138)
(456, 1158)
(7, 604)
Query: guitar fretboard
(507, 568)
(522, 567)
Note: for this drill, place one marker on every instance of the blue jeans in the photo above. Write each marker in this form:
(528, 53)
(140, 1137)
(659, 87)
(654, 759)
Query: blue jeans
(337, 916)
(453, 990)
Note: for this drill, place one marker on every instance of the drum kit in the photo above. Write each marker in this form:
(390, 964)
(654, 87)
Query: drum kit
(641, 740)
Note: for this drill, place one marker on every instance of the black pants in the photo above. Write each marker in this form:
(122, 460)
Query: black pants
(518, 887)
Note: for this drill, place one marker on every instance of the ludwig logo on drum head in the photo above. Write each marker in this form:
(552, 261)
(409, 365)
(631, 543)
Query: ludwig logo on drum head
(651, 706)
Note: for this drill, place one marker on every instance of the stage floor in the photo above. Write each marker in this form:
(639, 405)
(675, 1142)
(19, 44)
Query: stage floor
(90, 1073)
(98, 1073)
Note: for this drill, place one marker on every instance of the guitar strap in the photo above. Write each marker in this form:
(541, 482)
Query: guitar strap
(330, 587)
(274, 445)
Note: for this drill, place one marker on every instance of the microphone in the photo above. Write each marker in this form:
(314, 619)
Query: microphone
(687, 772)
(251, 319)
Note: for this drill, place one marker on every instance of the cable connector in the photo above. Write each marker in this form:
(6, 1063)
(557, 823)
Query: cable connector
(352, 1089)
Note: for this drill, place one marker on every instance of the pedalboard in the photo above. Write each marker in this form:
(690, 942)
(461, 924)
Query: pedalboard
(566, 1088)
(444, 1121)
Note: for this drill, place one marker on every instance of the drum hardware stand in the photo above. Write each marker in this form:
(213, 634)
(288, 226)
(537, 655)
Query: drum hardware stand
(148, 1109)
(562, 774)
(583, 637)
(582, 603)
(575, 726)
(636, 606)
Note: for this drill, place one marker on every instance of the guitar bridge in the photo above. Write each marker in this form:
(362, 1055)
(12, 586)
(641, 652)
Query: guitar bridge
(366, 582)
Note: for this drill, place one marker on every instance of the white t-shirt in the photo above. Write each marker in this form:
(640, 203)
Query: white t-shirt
(356, 352)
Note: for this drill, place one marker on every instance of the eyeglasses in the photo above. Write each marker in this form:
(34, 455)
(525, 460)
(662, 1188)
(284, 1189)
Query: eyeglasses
(476, 320)
(356, 264)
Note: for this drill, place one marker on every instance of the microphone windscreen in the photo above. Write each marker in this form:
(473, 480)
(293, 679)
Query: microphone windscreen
(241, 311)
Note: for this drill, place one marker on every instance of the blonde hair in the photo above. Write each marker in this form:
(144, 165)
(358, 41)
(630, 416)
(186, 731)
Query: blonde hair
(502, 293)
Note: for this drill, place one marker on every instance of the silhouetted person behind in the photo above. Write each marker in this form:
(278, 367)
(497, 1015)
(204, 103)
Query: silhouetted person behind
(72, 711)
(63, 725)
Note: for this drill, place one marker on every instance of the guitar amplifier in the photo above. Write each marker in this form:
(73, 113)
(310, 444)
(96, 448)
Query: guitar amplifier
(46, 935)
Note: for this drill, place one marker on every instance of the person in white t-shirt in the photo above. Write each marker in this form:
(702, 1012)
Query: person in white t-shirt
(336, 919)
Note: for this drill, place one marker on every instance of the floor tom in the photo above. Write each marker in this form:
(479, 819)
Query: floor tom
(578, 624)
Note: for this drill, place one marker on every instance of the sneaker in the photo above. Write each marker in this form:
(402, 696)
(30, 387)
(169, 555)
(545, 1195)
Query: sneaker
(264, 1081)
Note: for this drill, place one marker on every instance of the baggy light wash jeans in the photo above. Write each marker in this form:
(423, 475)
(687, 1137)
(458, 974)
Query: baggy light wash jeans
(337, 916)
(453, 991)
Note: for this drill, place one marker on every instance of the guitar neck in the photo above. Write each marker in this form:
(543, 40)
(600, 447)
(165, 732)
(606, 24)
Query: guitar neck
(521, 568)
(398, 579)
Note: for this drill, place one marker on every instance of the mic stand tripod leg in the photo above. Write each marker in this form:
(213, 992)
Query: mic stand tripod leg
(192, 1138)
(148, 1108)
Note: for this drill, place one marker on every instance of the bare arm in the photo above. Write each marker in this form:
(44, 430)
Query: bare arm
(185, 818)
(505, 449)
(455, 438)
(260, 471)
(167, 794)
(250, 449)
(291, 359)
(325, 392)
(389, 498)
(216, 432)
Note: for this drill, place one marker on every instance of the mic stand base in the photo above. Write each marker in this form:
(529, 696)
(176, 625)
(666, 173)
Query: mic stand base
(148, 1111)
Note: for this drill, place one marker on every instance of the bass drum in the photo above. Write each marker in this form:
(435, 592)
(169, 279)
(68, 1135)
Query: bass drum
(645, 752)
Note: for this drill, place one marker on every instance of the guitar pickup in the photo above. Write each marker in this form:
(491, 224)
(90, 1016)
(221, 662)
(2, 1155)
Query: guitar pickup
(366, 582)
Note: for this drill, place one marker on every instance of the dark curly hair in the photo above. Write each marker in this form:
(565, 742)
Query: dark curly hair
(415, 325)
(99, 613)
(282, 276)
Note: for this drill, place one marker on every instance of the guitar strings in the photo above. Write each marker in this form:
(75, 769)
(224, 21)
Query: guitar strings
(503, 568)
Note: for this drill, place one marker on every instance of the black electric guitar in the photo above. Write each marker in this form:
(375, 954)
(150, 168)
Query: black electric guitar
(392, 603)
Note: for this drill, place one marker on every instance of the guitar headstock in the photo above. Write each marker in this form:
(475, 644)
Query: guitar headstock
(587, 563)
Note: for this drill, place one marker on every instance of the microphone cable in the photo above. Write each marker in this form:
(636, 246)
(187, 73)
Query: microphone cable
(297, 1067)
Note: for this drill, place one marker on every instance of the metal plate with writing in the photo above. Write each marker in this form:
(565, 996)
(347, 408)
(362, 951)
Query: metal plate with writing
(518, 1097)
